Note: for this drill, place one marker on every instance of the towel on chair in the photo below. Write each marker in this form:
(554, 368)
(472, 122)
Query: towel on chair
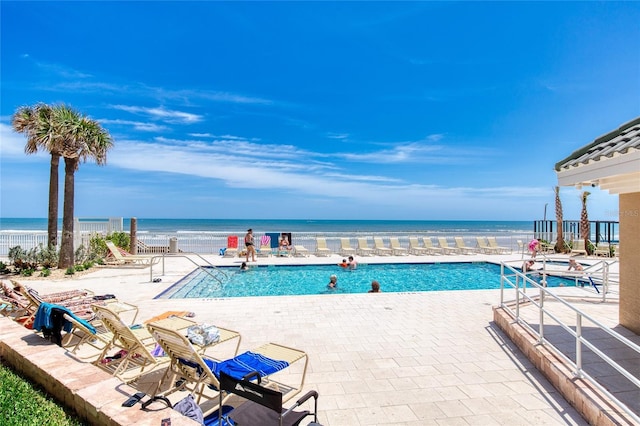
(265, 240)
(241, 365)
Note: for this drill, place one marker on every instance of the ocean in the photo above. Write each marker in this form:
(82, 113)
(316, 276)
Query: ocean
(311, 226)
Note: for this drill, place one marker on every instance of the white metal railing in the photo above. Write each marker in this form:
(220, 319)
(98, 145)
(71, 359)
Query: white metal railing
(211, 242)
(518, 281)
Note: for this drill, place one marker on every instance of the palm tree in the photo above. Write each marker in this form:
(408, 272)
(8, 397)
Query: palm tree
(37, 124)
(560, 246)
(82, 138)
(584, 221)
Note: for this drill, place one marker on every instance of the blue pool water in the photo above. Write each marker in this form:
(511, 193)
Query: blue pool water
(313, 279)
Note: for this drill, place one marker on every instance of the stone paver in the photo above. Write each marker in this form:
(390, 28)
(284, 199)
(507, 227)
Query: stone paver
(432, 358)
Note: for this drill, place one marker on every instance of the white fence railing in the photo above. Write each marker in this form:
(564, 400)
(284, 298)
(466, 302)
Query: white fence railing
(546, 318)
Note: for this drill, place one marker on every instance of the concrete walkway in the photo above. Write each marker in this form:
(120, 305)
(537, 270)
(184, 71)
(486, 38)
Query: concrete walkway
(433, 358)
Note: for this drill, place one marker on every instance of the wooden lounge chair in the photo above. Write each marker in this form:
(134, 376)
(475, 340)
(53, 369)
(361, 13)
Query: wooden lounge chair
(463, 247)
(118, 257)
(199, 371)
(428, 244)
(379, 247)
(363, 248)
(345, 247)
(416, 248)
(396, 248)
(321, 247)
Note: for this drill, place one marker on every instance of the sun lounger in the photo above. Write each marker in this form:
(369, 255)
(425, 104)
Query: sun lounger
(444, 245)
(602, 249)
(396, 248)
(493, 243)
(232, 246)
(428, 244)
(300, 251)
(201, 373)
(80, 336)
(483, 246)
(379, 247)
(416, 248)
(122, 258)
(345, 247)
(363, 248)
(321, 247)
(463, 247)
(134, 345)
(265, 246)
(578, 248)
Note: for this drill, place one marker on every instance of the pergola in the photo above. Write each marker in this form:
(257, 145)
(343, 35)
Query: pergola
(612, 162)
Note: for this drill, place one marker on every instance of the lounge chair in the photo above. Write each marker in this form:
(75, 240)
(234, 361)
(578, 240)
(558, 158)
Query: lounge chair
(463, 247)
(200, 373)
(80, 307)
(81, 336)
(232, 246)
(265, 246)
(428, 244)
(136, 346)
(578, 248)
(416, 248)
(363, 248)
(379, 247)
(300, 251)
(493, 243)
(345, 247)
(396, 248)
(321, 247)
(483, 246)
(121, 257)
(263, 405)
(444, 245)
(602, 249)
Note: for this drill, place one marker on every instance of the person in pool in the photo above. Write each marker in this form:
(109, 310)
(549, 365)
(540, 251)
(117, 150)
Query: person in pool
(333, 282)
(352, 263)
(244, 266)
(343, 264)
(375, 287)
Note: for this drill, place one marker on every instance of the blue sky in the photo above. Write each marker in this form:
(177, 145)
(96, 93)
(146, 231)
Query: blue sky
(320, 110)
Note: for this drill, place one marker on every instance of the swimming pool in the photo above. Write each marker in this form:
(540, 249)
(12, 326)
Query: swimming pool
(313, 279)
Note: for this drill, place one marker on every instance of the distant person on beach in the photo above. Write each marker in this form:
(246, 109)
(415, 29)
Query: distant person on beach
(244, 266)
(333, 282)
(574, 265)
(343, 264)
(248, 243)
(352, 263)
(375, 287)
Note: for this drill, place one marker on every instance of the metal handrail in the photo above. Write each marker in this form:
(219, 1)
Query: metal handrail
(163, 256)
(519, 284)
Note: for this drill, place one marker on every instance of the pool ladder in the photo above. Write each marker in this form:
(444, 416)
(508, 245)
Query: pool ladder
(213, 271)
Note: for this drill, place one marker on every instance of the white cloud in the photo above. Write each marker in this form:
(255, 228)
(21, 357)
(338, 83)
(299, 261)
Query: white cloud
(161, 113)
(12, 144)
(137, 125)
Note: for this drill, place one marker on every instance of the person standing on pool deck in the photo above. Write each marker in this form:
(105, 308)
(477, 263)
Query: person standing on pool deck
(352, 263)
(248, 243)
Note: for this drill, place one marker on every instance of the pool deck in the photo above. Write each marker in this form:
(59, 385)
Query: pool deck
(431, 358)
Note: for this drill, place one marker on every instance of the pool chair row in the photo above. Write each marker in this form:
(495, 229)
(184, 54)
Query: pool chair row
(484, 245)
(182, 355)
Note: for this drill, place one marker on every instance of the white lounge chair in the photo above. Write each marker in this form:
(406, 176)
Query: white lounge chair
(380, 248)
(428, 244)
(396, 248)
(321, 247)
(363, 247)
(345, 247)
(416, 248)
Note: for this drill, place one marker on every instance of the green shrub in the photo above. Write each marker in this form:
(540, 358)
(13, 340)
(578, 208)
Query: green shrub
(70, 270)
(121, 239)
(21, 403)
(17, 254)
(45, 272)
(46, 257)
(27, 272)
(78, 268)
(88, 264)
(3, 268)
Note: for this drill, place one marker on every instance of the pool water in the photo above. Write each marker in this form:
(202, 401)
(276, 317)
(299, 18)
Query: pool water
(313, 279)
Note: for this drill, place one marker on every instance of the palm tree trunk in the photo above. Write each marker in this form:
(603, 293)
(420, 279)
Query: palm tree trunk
(66, 247)
(559, 247)
(584, 221)
(52, 225)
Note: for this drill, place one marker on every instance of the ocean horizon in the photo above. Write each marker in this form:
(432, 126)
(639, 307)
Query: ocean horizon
(150, 225)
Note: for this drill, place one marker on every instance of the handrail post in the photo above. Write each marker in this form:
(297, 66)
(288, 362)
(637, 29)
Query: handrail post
(578, 372)
(541, 316)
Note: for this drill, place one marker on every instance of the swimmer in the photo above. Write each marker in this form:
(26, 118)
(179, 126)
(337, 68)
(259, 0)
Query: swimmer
(244, 266)
(343, 264)
(352, 263)
(333, 281)
(375, 287)
(528, 265)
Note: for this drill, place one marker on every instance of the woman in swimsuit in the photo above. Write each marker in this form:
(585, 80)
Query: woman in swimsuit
(248, 243)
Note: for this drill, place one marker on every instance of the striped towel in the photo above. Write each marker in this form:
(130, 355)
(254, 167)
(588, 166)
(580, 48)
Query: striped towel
(265, 240)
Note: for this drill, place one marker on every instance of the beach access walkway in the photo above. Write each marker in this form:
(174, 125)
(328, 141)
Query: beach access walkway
(413, 358)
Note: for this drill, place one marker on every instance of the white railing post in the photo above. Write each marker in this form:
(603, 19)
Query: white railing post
(578, 372)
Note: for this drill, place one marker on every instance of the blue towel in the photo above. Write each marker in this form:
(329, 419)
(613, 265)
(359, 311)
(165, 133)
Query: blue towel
(43, 318)
(275, 239)
(242, 365)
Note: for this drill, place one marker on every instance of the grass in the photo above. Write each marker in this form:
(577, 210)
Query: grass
(24, 404)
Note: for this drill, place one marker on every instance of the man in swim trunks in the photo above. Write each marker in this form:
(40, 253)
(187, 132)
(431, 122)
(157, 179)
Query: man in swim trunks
(248, 243)
(352, 263)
